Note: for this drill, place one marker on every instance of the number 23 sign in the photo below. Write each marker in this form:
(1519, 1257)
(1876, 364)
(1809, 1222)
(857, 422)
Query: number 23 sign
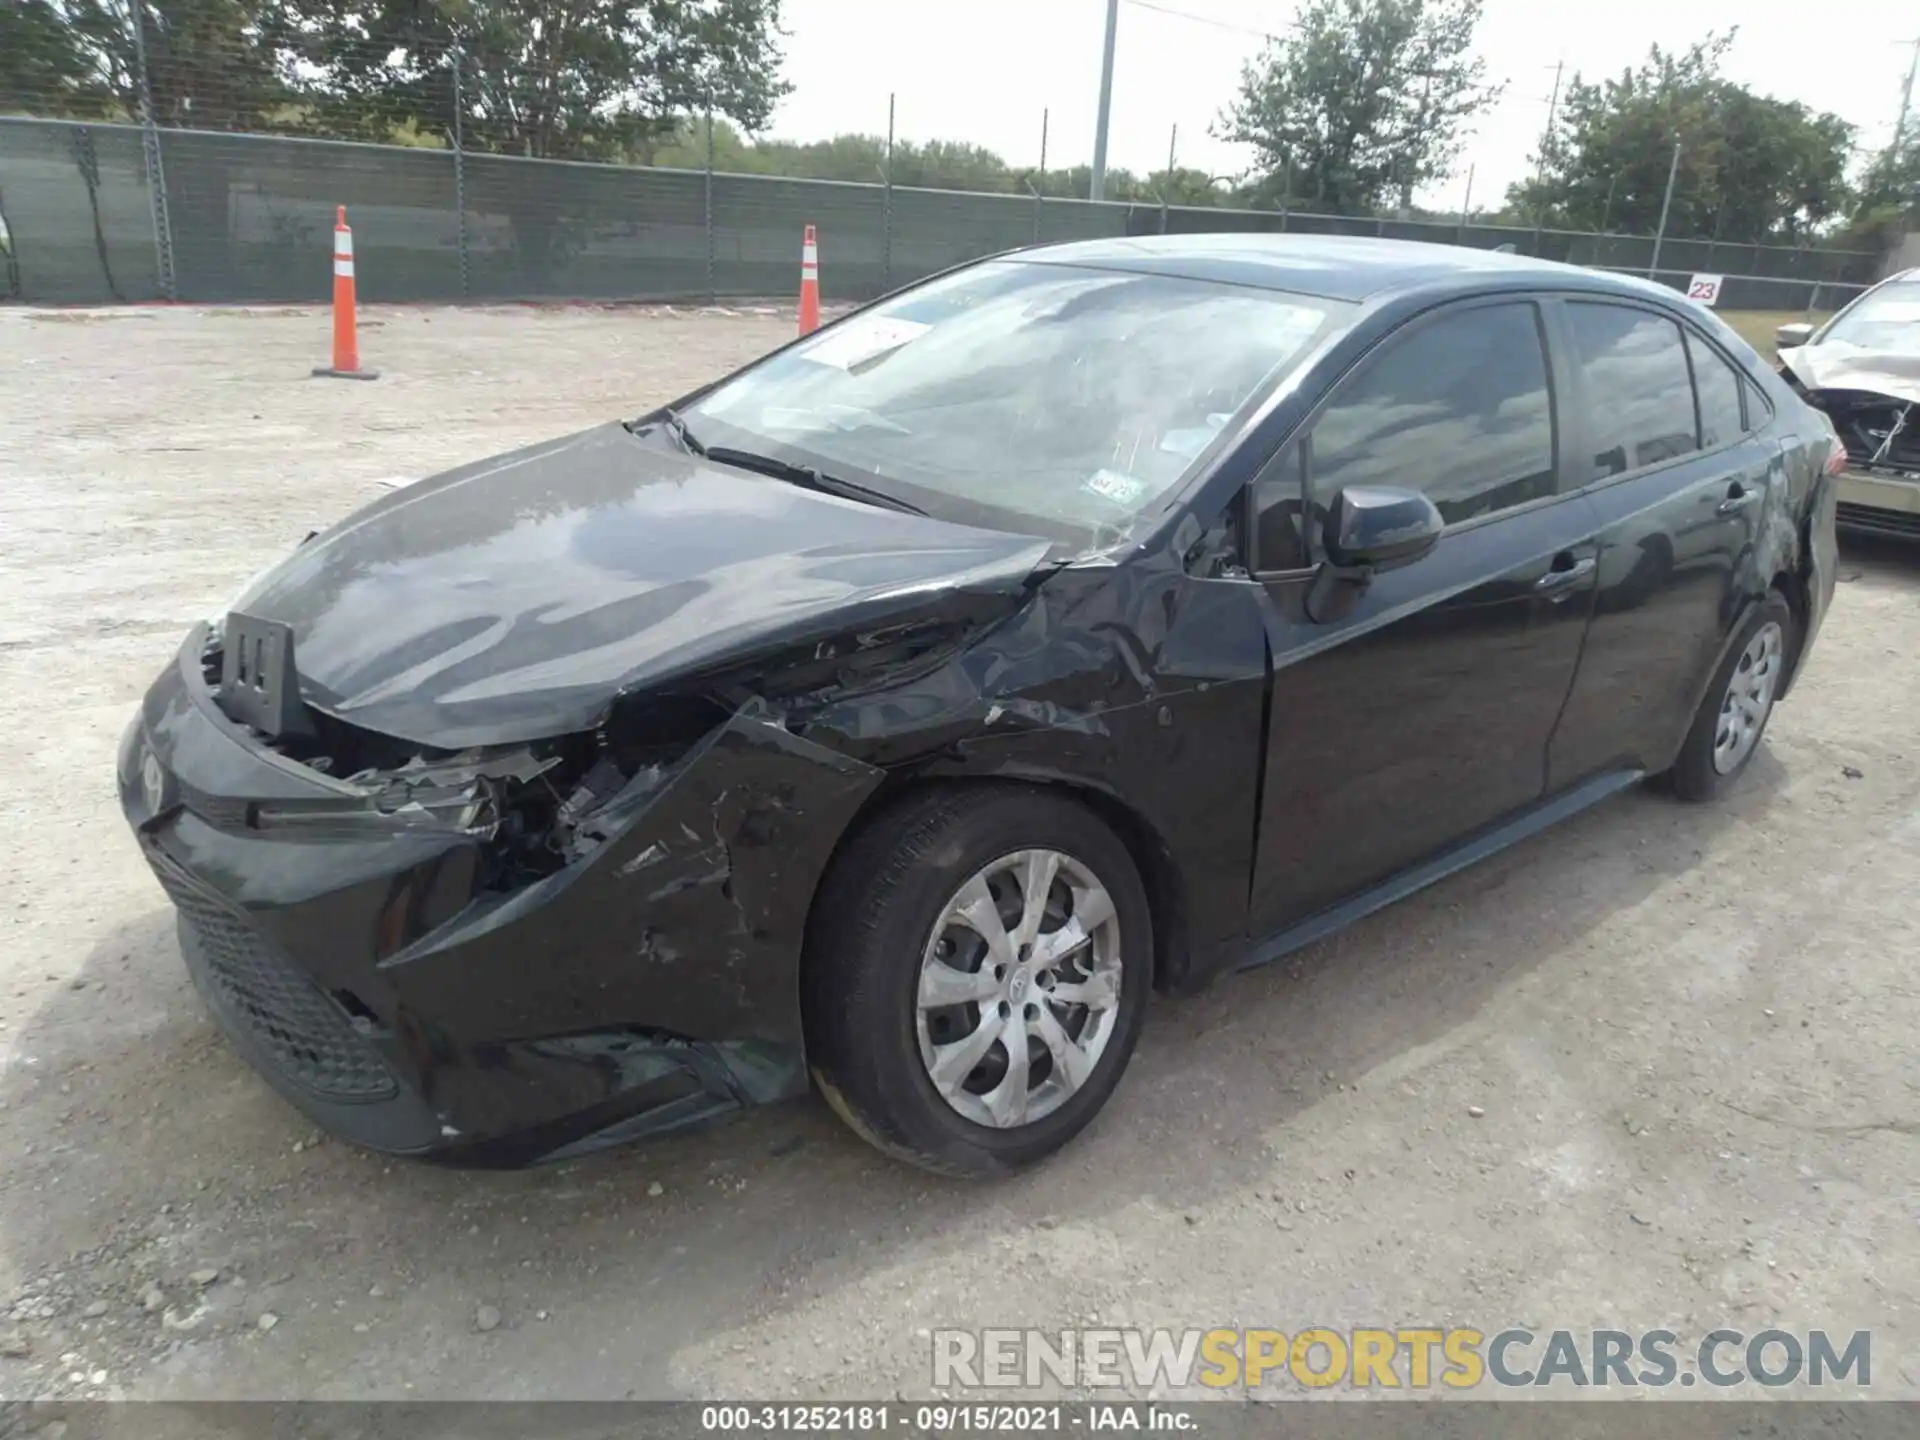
(1705, 289)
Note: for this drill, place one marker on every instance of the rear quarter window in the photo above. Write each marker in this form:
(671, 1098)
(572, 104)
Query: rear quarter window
(1723, 419)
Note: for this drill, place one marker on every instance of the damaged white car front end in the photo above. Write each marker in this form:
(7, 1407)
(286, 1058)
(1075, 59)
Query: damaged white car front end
(1862, 368)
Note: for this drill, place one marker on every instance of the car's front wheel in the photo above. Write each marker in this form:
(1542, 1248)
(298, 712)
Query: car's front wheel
(1732, 717)
(977, 975)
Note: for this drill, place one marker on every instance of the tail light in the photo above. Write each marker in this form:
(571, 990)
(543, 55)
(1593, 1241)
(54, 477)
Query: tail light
(1836, 449)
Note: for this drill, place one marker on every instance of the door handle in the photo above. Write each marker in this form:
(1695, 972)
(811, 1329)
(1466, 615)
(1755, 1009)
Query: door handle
(1737, 500)
(1559, 579)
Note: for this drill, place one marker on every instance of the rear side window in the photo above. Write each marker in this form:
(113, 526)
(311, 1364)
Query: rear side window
(1459, 409)
(1640, 394)
(1718, 385)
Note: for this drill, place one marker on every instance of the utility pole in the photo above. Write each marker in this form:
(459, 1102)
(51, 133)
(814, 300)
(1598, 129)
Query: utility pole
(1173, 141)
(1906, 100)
(1666, 202)
(1546, 145)
(886, 215)
(1040, 195)
(1097, 190)
(1553, 109)
(1405, 168)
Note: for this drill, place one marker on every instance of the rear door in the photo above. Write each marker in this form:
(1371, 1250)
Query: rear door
(1671, 458)
(1423, 715)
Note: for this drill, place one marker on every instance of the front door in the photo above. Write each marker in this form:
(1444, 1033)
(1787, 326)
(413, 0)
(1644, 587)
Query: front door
(1425, 714)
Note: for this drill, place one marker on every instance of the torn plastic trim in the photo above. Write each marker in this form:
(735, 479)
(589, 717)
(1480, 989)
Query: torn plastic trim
(461, 795)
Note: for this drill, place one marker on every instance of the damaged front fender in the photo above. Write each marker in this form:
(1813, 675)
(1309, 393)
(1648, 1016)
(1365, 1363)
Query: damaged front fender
(687, 917)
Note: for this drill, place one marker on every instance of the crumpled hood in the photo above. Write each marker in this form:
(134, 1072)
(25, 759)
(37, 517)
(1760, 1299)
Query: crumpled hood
(1837, 365)
(515, 598)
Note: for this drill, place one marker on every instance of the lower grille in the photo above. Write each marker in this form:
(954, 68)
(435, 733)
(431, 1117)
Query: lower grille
(308, 1039)
(1884, 522)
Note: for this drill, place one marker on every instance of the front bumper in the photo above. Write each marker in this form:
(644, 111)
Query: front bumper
(384, 991)
(1879, 504)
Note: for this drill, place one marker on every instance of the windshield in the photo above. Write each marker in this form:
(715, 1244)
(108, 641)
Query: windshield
(1888, 319)
(1036, 397)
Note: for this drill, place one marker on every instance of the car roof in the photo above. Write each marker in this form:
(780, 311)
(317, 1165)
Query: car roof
(1334, 267)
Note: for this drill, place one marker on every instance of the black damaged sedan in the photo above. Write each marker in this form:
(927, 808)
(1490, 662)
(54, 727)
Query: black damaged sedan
(899, 713)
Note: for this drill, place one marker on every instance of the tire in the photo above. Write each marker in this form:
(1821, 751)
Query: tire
(1708, 763)
(875, 969)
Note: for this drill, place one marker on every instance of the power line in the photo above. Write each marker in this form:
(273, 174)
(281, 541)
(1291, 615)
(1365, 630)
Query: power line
(1214, 21)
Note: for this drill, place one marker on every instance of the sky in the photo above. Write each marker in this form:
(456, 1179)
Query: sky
(985, 70)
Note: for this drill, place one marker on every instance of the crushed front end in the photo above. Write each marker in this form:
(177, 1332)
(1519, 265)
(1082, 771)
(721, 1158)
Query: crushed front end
(498, 954)
(1873, 403)
(1879, 490)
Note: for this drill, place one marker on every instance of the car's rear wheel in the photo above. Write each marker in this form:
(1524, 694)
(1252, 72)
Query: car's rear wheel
(977, 975)
(1732, 717)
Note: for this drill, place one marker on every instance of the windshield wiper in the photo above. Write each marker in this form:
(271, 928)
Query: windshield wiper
(670, 421)
(808, 476)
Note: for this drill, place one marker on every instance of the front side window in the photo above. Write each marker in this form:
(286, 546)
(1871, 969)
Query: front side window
(1027, 396)
(1639, 393)
(1460, 409)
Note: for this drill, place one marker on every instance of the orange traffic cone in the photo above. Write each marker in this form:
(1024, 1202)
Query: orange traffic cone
(809, 283)
(346, 340)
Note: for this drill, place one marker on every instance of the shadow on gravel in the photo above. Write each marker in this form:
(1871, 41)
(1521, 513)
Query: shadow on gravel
(156, 1153)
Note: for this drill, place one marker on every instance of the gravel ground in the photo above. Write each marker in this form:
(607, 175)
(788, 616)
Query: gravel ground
(1655, 1068)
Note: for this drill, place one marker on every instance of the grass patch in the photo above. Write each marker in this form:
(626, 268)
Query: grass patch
(1756, 327)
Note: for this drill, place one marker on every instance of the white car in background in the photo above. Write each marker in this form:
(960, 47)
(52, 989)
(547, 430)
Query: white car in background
(1862, 368)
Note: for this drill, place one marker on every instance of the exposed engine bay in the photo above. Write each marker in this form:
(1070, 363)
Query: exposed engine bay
(1869, 395)
(1879, 431)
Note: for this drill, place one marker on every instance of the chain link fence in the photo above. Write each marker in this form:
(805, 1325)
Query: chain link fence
(249, 218)
(205, 166)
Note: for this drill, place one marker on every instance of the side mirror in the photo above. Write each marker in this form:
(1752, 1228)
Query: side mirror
(1789, 336)
(1380, 528)
(1368, 528)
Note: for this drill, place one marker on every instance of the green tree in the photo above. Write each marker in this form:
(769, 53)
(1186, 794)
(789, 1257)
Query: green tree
(733, 152)
(1885, 200)
(1364, 100)
(210, 64)
(49, 65)
(578, 79)
(1752, 168)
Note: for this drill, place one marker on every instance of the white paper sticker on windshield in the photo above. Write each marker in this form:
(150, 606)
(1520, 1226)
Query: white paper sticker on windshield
(1185, 443)
(845, 346)
(1189, 442)
(1112, 485)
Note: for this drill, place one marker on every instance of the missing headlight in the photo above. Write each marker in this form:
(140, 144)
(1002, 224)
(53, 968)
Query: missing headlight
(464, 794)
(534, 808)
